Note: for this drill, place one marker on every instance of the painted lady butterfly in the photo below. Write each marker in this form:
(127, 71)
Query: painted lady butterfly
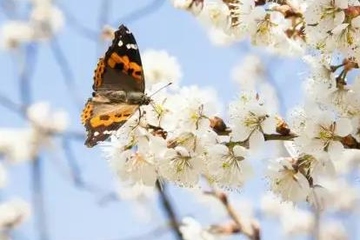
(119, 87)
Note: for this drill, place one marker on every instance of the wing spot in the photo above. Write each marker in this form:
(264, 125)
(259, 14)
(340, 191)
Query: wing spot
(99, 71)
(131, 46)
(86, 113)
(104, 117)
(124, 63)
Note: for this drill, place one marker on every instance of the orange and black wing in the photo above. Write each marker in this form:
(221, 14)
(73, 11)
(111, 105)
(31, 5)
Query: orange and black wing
(121, 67)
(102, 119)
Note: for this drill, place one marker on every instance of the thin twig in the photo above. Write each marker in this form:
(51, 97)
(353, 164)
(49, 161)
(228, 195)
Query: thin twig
(81, 29)
(38, 199)
(271, 137)
(253, 233)
(74, 166)
(140, 13)
(26, 72)
(66, 71)
(22, 111)
(76, 174)
(12, 106)
(168, 208)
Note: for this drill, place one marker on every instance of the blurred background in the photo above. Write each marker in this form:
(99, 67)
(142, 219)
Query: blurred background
(70, 190)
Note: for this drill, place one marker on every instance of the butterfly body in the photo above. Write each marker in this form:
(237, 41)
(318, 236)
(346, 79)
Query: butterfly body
(118, 86)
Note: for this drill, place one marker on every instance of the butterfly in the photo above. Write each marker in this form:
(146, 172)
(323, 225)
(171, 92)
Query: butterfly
(119, 86)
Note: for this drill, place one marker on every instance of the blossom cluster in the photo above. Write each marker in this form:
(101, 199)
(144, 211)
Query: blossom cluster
(181, 137)
(44, 21)
(185, 135)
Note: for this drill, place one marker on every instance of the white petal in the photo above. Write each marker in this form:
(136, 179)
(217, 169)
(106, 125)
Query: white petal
(339, 18)
(342, 4)
(268, 126)
(219, 149)
(343, 127)
(335, 150)
(355, 22)
(256, 141)
(338, 29)
(240, 151)
(240, 133)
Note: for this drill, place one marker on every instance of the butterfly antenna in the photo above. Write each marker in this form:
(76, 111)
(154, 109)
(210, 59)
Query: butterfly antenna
(161, 89)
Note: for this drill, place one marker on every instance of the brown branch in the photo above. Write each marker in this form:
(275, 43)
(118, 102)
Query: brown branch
(237, 226)
(272, 137)
(283, 133)
(166, 203)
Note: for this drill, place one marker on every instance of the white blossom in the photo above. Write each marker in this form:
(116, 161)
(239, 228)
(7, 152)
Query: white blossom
(13, 213)
(250, 120)
(134, 157)
(160, 66)
(240, 18)
(41, 116)
(46, 20)
(333, 230)
(350, 160)
(162, 111)
(318, 197)
(286, 181)
(191, 229)
(229, 168)
(328, 27)
(266, 28)
(192, 6)
(194, 107)
(341, 195)
(181, 166)
(15, 33)
(220, 38)
(273, 206)
(215, 14)
(19, 144)
(296, 221)
(321, 134)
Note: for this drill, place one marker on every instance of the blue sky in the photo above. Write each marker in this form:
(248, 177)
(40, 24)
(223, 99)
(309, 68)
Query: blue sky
(75, 214)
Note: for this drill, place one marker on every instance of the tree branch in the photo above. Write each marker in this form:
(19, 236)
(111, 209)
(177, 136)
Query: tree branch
(165, 202)
(38, 199)
(252, 233)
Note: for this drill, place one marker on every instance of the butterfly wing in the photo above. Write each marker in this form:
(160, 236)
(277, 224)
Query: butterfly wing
(102, 119)
(121, 68)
